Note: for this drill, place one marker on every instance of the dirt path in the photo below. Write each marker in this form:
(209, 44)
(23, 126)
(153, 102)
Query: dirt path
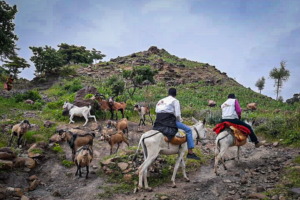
(258, 167)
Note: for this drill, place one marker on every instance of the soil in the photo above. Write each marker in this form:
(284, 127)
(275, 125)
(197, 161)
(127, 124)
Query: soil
(260, 166)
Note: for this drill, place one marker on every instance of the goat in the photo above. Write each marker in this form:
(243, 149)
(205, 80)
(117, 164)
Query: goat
(83, 159)
(143, 110)
(252, 106)
(120, 125)
(76, 140)
(116, 106)
(79, 111)
(276, 110)
(116, 138)
(211, 103)
(104, 105)
(19, 130)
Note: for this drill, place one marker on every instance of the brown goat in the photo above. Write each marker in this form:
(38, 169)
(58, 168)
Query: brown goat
(76, 140)
(116, 106)
(121, 125)
(104, 105)
(19, 130)
(83, 159)
(252, 106)
(276, 110)
(116, 138)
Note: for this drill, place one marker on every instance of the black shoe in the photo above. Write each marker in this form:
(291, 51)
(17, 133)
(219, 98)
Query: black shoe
(192, 156)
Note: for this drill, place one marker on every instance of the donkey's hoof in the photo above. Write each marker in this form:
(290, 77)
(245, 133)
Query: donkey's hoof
(149, 189)
(217, 174)
(174, 185)
(187, 180)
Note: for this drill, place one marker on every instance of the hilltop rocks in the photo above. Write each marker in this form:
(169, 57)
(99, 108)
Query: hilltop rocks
(84, 91)
(153, 50)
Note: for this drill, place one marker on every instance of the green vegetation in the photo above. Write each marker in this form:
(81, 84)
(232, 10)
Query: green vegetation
(279, 75)
(260, 84)
(58, 148)
(67, 163)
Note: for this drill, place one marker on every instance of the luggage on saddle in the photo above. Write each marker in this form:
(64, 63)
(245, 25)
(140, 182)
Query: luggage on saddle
(178, 139)
(240, 132)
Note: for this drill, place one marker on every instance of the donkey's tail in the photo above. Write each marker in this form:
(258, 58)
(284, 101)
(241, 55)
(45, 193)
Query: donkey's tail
(137, 150)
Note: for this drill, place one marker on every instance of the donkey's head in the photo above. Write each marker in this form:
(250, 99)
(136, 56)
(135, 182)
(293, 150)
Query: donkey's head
(201, 130)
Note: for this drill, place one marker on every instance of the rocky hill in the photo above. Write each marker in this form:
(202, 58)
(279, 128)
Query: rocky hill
(172, 70)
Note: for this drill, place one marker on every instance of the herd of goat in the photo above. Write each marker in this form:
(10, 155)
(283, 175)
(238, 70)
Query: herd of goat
(82, 144)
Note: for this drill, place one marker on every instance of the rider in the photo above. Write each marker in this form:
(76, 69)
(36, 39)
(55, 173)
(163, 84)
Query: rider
(170, 106)
(231, 112)
(9, 82)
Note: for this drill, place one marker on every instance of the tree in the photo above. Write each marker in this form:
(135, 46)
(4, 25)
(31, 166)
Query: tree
(279, 75)
(15, 64)
(7, 37)
(116, 84)
(137, 76)
(260, 84)
(46, 59)
(78, 54)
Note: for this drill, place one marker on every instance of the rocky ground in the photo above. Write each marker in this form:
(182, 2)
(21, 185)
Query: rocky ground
(258, 171)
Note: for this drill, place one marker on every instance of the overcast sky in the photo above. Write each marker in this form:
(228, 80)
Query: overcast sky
(246, 39)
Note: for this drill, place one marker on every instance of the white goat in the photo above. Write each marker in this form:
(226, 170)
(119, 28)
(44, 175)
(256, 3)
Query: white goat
(79, 112)
(143, 110)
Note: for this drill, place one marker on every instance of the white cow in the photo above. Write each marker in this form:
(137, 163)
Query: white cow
(153, 144)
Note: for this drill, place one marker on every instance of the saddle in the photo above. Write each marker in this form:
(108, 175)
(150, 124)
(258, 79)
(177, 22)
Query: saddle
(239, 138)
(178, 139)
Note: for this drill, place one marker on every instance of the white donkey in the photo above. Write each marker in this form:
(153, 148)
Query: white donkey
(224, 140)
(79, 112)
(153, 143)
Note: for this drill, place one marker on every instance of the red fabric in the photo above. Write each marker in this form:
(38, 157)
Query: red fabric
(220, 127)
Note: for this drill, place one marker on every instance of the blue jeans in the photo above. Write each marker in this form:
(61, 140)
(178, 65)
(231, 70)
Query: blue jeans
(189, 134)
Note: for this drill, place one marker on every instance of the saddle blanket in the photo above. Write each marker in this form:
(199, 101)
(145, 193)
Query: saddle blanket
(220, 127)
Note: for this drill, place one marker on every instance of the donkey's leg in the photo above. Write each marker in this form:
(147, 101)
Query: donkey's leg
(220, 156)
(183, 166)
(238, 154)
(175, 169)
(151, 119)
(144, 169)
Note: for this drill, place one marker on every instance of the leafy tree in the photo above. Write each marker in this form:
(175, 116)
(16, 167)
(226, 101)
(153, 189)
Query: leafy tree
(260, 84)
(15, 64)
(7, 27)
(137, 76)
(46, 59)
(116, 84)
(78, 54)
(279, 75)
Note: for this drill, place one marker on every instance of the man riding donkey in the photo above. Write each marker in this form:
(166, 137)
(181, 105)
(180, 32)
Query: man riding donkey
(231, 112)
(8, 83)
(168, 121)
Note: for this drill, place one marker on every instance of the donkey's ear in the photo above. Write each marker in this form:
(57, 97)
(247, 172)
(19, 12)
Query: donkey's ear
(194, 120)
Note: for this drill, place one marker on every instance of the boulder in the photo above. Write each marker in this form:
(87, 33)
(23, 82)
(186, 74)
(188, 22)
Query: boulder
(24, 161)
(153, 49)
(127, 177)
(257, 196)
(6, 156)
(28, 101)
(84, 91)
(34, 184)
(48, 124)
(123, 166)
(55, 138)
(6, 164)
(32, 178)
(211, 103)
(6, 149)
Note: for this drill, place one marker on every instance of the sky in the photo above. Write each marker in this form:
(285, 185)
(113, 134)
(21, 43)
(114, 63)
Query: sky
(245, 39)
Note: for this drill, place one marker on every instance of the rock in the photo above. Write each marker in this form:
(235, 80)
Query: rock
(34, 155)
(34, 184)
(295, 190)
(127, 171)
(6, 156)
(56, 193)
(211, 103)
(244, 181)
(275, 144)
(7, 150)
(227, 181)
(164, 198)
(153, 49)
(6, 164)
(95, 167)
(32, 178)
(127, 177)
(21, 161)
(282, 198)
(123, 166)
(231, 192)
(18, 192)
(94, 126)
(29, 101)
(197, 189)
(275, 197)
(260, 189)
(55, 138)
(24, 198)
(106, 162)
(257, 196)
(48, 124)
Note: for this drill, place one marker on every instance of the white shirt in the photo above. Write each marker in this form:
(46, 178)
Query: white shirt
(228, 109)
(169, 105)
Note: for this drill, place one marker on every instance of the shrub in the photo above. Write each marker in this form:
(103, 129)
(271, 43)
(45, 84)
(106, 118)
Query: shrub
(67, 163)
(73, 86)
(58, 148)
(31, 94)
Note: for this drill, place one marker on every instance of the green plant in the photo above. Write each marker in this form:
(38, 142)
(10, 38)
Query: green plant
(67, 163)
(58, 148)
(31, 94)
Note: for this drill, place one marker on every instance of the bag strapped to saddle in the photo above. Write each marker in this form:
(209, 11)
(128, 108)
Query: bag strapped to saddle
(239, 137)
(177, 139)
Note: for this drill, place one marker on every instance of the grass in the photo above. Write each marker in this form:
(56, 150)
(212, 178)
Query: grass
(67, 163)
